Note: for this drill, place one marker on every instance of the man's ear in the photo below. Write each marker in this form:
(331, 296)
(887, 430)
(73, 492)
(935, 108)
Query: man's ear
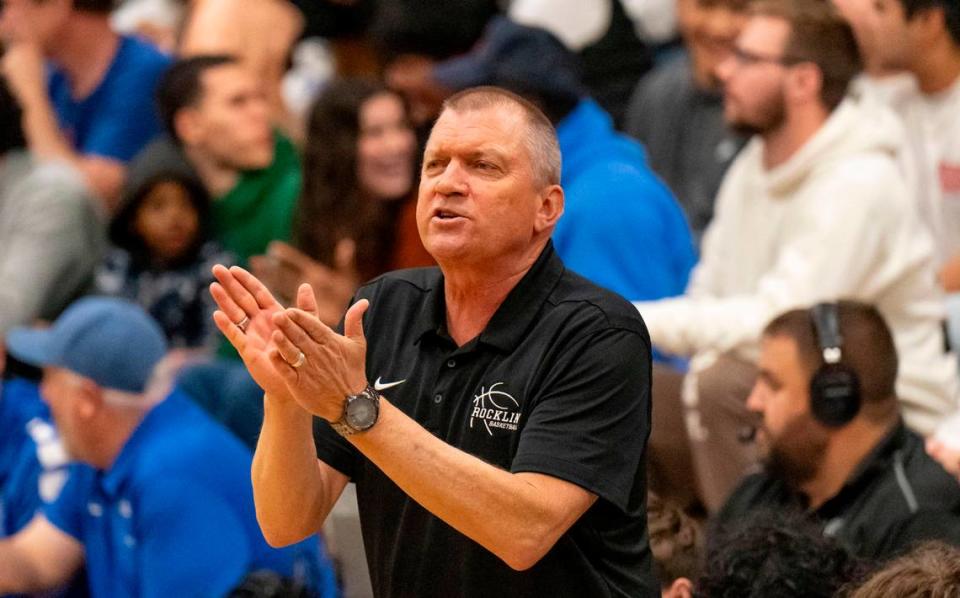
(680, 588)
(551, 207)
(804, 83)
(188, 126)
(931, 23)
(90, 400)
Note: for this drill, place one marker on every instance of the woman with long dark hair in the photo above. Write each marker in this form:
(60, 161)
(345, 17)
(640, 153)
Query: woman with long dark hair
(356, 218)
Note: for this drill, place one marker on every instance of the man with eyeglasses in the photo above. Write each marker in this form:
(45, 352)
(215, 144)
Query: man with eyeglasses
(814, 208)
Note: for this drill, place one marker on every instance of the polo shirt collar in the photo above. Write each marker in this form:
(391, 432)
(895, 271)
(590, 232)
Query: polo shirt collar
(510, 322)
(152, 425)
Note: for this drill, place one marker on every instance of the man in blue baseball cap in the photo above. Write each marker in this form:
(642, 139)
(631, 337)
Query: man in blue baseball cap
(160, 502)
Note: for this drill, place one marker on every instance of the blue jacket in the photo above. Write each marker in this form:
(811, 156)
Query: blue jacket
(622, 228)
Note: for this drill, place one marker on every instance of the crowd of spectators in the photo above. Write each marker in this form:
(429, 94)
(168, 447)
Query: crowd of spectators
(773, 184)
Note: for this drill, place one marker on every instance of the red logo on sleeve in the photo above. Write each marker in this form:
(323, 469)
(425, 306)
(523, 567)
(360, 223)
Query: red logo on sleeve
(949, 178)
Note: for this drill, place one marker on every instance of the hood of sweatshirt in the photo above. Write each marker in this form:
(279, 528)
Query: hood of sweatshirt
(854, 127)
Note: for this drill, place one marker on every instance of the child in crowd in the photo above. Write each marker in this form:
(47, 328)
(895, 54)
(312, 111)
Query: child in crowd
(162, 256)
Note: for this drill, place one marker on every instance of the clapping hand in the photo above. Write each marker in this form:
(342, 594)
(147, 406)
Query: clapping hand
(244, 316)
(290, 353)
(284, 268)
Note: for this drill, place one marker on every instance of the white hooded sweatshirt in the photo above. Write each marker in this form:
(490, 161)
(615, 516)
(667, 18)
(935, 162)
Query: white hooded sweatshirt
(833, 222)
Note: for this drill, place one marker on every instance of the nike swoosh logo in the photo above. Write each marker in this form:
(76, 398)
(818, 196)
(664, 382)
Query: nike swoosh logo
(378, 386)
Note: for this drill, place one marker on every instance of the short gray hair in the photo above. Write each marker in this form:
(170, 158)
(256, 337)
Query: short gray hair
(541, 140)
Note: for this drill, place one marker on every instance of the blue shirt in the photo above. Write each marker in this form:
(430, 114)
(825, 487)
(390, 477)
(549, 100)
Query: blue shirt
(621, 228)
(32, 462)
(120, 116)
(174, 515)
(20, 403)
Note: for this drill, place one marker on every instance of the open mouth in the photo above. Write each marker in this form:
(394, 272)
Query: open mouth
(394, 167)
(446, 215)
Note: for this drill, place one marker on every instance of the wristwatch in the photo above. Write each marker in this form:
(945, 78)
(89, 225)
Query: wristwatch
(360, 412)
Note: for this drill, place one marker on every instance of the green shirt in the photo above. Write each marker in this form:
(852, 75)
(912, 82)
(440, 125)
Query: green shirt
(260, 207)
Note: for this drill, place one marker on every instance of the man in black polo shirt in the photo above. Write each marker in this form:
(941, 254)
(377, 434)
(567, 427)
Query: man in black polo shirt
(500, 449)
(834, 442)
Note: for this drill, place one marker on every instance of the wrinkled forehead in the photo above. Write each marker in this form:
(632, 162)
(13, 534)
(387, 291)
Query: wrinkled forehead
(496, 128)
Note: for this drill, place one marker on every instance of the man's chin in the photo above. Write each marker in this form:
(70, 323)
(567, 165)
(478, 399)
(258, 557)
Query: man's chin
(256, 162)
(744, 129)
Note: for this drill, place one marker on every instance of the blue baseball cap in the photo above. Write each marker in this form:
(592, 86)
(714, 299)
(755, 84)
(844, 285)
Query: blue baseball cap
(516, 57)
(111, 341)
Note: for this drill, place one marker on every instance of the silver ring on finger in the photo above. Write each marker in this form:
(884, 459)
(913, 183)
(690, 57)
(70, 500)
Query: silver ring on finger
(242, 324)
(301, 359)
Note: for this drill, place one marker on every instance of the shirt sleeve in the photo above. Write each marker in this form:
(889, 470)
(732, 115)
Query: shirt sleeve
(66, 511)
(923, 526)
(19, 493)
(591, 424)
(191, 542)
(334, 450)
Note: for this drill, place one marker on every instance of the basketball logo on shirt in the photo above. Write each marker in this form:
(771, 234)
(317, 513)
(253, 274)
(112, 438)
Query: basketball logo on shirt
(496, 409)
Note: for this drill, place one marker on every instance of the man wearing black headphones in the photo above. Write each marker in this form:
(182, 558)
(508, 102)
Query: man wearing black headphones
(833, 442)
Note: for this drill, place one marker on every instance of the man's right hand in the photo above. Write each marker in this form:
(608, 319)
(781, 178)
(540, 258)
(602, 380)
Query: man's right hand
(240, 295)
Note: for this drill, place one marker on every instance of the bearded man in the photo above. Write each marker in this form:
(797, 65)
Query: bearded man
(833, 442)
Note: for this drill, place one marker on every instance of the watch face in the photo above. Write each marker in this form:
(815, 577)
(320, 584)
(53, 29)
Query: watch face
(361, 413)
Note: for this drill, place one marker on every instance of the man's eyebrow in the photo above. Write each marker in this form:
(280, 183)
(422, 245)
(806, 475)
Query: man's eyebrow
(767, 377)
(488, 152)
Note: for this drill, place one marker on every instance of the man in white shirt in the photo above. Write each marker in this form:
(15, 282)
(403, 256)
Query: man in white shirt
(922, 37)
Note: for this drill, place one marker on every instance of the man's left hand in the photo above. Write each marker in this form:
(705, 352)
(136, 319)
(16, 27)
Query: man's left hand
(333, 365)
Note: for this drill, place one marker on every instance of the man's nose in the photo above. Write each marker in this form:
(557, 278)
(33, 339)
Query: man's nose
(755, 401)
(453, 180)
(725, 68)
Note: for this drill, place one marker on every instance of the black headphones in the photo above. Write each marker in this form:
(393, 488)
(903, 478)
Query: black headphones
(834, 387)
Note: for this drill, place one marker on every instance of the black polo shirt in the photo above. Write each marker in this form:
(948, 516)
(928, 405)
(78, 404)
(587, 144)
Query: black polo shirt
(558, 383)
(896, 497)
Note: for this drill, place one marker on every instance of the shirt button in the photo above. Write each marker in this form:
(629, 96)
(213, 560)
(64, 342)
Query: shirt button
(438, 398)
(451, 363)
